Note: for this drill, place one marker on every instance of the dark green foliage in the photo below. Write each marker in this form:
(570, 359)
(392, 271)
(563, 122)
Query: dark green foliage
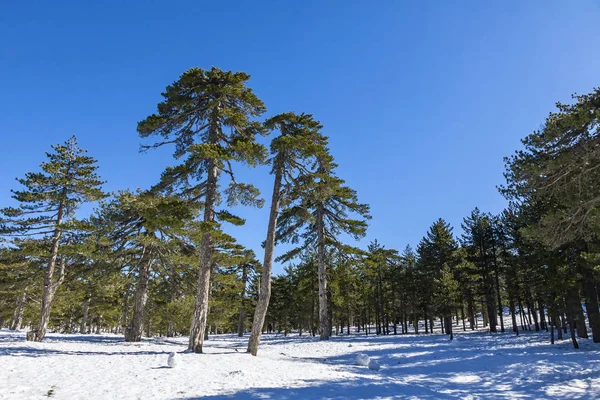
(68, 179)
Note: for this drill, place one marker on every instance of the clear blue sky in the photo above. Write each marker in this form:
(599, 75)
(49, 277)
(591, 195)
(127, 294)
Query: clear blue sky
(422, 100)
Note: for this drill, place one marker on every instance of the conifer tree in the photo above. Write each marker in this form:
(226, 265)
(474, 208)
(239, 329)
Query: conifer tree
(559, 167)
(435, 250)
(144, 225)
(479, 242)
(293, 152)
(321, 208)
(380, 262)
(46, 211)
(208, 116)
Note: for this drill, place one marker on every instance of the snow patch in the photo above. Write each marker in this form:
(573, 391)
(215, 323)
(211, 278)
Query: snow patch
(362, 359)
(374, 365)
(174, 360)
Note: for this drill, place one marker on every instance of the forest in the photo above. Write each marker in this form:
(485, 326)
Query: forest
(159, 262)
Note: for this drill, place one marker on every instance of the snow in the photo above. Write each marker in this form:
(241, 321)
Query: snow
(478, 366)
(374, 365)
(174, 360)
(362, 359)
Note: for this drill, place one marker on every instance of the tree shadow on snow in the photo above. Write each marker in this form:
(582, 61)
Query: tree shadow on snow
(41, 352)
(432, 367)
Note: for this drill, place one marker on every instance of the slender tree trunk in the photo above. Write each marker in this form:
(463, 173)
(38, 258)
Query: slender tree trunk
(471, 312)
(262, 304)
(172, 297)
(416, 324)
(543, 324)
(571, 321)
(243, 301)
(206, 249)
(579, 319)
(17, 317)
(134, 332)
(513, 315)
(531, 311)
(323, 313)
(591, 302)
(556, 324)
(448, 330)
(50, 285)
(85, 313)
(498, 297)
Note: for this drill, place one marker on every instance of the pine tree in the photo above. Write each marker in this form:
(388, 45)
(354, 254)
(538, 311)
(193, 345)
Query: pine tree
(323, 206)
(559, 167)
(435, 250)
(144, 226)
(292, 153)
(208, 115)
(379, 262)
(479, 241)
(46, 211)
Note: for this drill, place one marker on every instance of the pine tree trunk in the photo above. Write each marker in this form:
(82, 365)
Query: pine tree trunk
(556, 324)
(416, 324)
(485, 312)
(50, 285)
(17, 317)
(591, 302)
(513, 315)
(471, 312)
(206, 250)
(323, 313)
(134, 332)
(243, 301)
(559, 333)
(448, 327)
(264, 296)
(85, 312)
(531, 311)
(571, 321)
(497, 286)
(543, 324)
(579, 319)
(172, 297)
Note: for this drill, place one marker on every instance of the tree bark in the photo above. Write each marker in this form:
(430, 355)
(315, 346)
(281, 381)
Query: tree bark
(206, 250)
(243, 301)
(513, 316)
(50, 285)
(323, 314)
(133, 333)
(591, 302)
(85, 313)
(578, 317)
(571, 321)
(17, 318)
(498, 297)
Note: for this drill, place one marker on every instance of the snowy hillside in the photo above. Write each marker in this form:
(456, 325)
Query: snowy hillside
(474, 366)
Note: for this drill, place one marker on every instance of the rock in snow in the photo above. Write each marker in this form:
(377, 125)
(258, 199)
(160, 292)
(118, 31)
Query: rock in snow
(173, 360)
(362, 359)
(374, 365)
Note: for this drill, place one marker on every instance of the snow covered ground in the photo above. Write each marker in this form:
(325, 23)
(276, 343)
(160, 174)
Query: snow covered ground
(474, 366)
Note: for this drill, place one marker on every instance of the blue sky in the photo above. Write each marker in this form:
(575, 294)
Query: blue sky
(421, 100)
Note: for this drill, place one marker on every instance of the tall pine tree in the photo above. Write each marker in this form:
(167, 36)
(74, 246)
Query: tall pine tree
(46, 211)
